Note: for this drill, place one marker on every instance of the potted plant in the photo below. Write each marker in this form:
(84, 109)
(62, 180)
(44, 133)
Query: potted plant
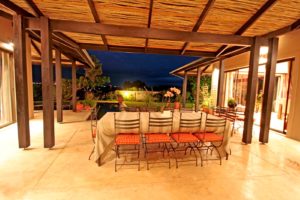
(207, 105)
(231, 103)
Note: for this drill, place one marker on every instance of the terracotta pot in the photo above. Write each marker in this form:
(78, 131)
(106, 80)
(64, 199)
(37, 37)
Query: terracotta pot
(176, 105)
(79, 107)
(87, 107)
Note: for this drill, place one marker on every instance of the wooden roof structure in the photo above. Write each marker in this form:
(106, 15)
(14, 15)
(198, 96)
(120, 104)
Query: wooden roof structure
(204, 28)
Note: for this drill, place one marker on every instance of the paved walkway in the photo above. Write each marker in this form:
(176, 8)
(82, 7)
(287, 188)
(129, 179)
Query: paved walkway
(253, 171)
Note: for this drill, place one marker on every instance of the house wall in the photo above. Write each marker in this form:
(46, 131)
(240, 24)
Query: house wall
(289, 46)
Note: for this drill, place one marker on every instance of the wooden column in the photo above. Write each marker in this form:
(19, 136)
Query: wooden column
(58, 75)
(184, 88)
(220, 97)
(29, 76)
(47, 83)
(267, 103)
(74, 88)
(251, 91)
(21, 81)
(197, 89)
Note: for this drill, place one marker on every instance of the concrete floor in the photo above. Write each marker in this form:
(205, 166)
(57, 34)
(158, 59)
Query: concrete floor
(252, 172)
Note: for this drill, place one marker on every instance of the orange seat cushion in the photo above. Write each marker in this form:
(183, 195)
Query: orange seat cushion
(157, 138)
(209, 137)
(124, 139)
(182, 137)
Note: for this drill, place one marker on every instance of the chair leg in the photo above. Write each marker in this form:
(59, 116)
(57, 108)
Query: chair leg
(139, 160)
(92, 153)
(116, 150)
(218, 154)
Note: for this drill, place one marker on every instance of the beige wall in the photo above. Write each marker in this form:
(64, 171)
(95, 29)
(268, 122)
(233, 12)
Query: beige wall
(289, 46)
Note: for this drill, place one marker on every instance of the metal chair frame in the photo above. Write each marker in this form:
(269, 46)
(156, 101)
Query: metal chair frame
(94, 121)
(158, 122)
(218, 124)
(128, 124)
(188, 124)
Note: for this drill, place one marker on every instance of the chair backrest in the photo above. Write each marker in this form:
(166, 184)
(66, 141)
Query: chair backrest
(127, 124)
(190, 123)
(220, 111)
(216, 125)
(231, 115)
(160, 122)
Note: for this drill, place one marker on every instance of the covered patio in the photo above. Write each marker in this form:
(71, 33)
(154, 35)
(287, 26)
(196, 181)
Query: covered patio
(252, 172)
(224, 34)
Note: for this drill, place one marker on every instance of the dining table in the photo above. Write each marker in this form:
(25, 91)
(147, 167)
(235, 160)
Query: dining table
(105, 136)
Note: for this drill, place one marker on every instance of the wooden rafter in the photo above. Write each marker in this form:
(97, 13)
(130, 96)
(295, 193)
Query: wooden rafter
(97, 20)
(284, 30)
(36, 47)
(250, 22)
(149, 22)
(5, 15)
(38, 13)
(142, 50)
(15, 8)
(201, 19)
(34, 8)
(139, 32)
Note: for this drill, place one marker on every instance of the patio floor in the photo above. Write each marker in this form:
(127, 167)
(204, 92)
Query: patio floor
(252, 172)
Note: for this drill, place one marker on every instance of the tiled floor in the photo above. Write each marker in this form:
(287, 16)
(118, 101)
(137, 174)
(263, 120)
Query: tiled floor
(255, 171)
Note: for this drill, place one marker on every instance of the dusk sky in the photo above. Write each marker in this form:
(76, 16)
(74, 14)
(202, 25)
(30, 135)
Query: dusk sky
(152, 69)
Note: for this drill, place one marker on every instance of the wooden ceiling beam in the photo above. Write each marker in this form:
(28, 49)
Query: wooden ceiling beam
(6, 15)
(34, 8)
(142, 50)
(23, 12)
(139, 32)
(16, 8)
(250, 22)
(36, 47)
(149, 22)
(200, 21)
(97, 20)
(284, 30)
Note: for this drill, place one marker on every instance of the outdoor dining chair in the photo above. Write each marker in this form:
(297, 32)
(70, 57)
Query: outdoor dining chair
(127, 140)
(184, 139)
(159, 139)
(94, 120)
(213, 135)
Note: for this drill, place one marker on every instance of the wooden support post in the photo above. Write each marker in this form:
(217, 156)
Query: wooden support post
(251, 91)
(29, 76)
(268, 91)
(221, 85)
(197, 89)
(58, 73)
(47, 83)
(184, 88)
(74, 89)
(21, 81)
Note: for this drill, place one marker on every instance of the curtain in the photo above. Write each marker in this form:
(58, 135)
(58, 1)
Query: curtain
(6, 115)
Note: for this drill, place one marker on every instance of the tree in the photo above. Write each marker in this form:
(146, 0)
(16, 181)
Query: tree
(138, 84)
(93, 79)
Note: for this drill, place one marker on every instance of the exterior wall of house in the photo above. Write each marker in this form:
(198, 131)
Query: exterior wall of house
(289, 46)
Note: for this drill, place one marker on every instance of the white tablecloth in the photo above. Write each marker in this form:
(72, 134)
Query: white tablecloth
(106, 131)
